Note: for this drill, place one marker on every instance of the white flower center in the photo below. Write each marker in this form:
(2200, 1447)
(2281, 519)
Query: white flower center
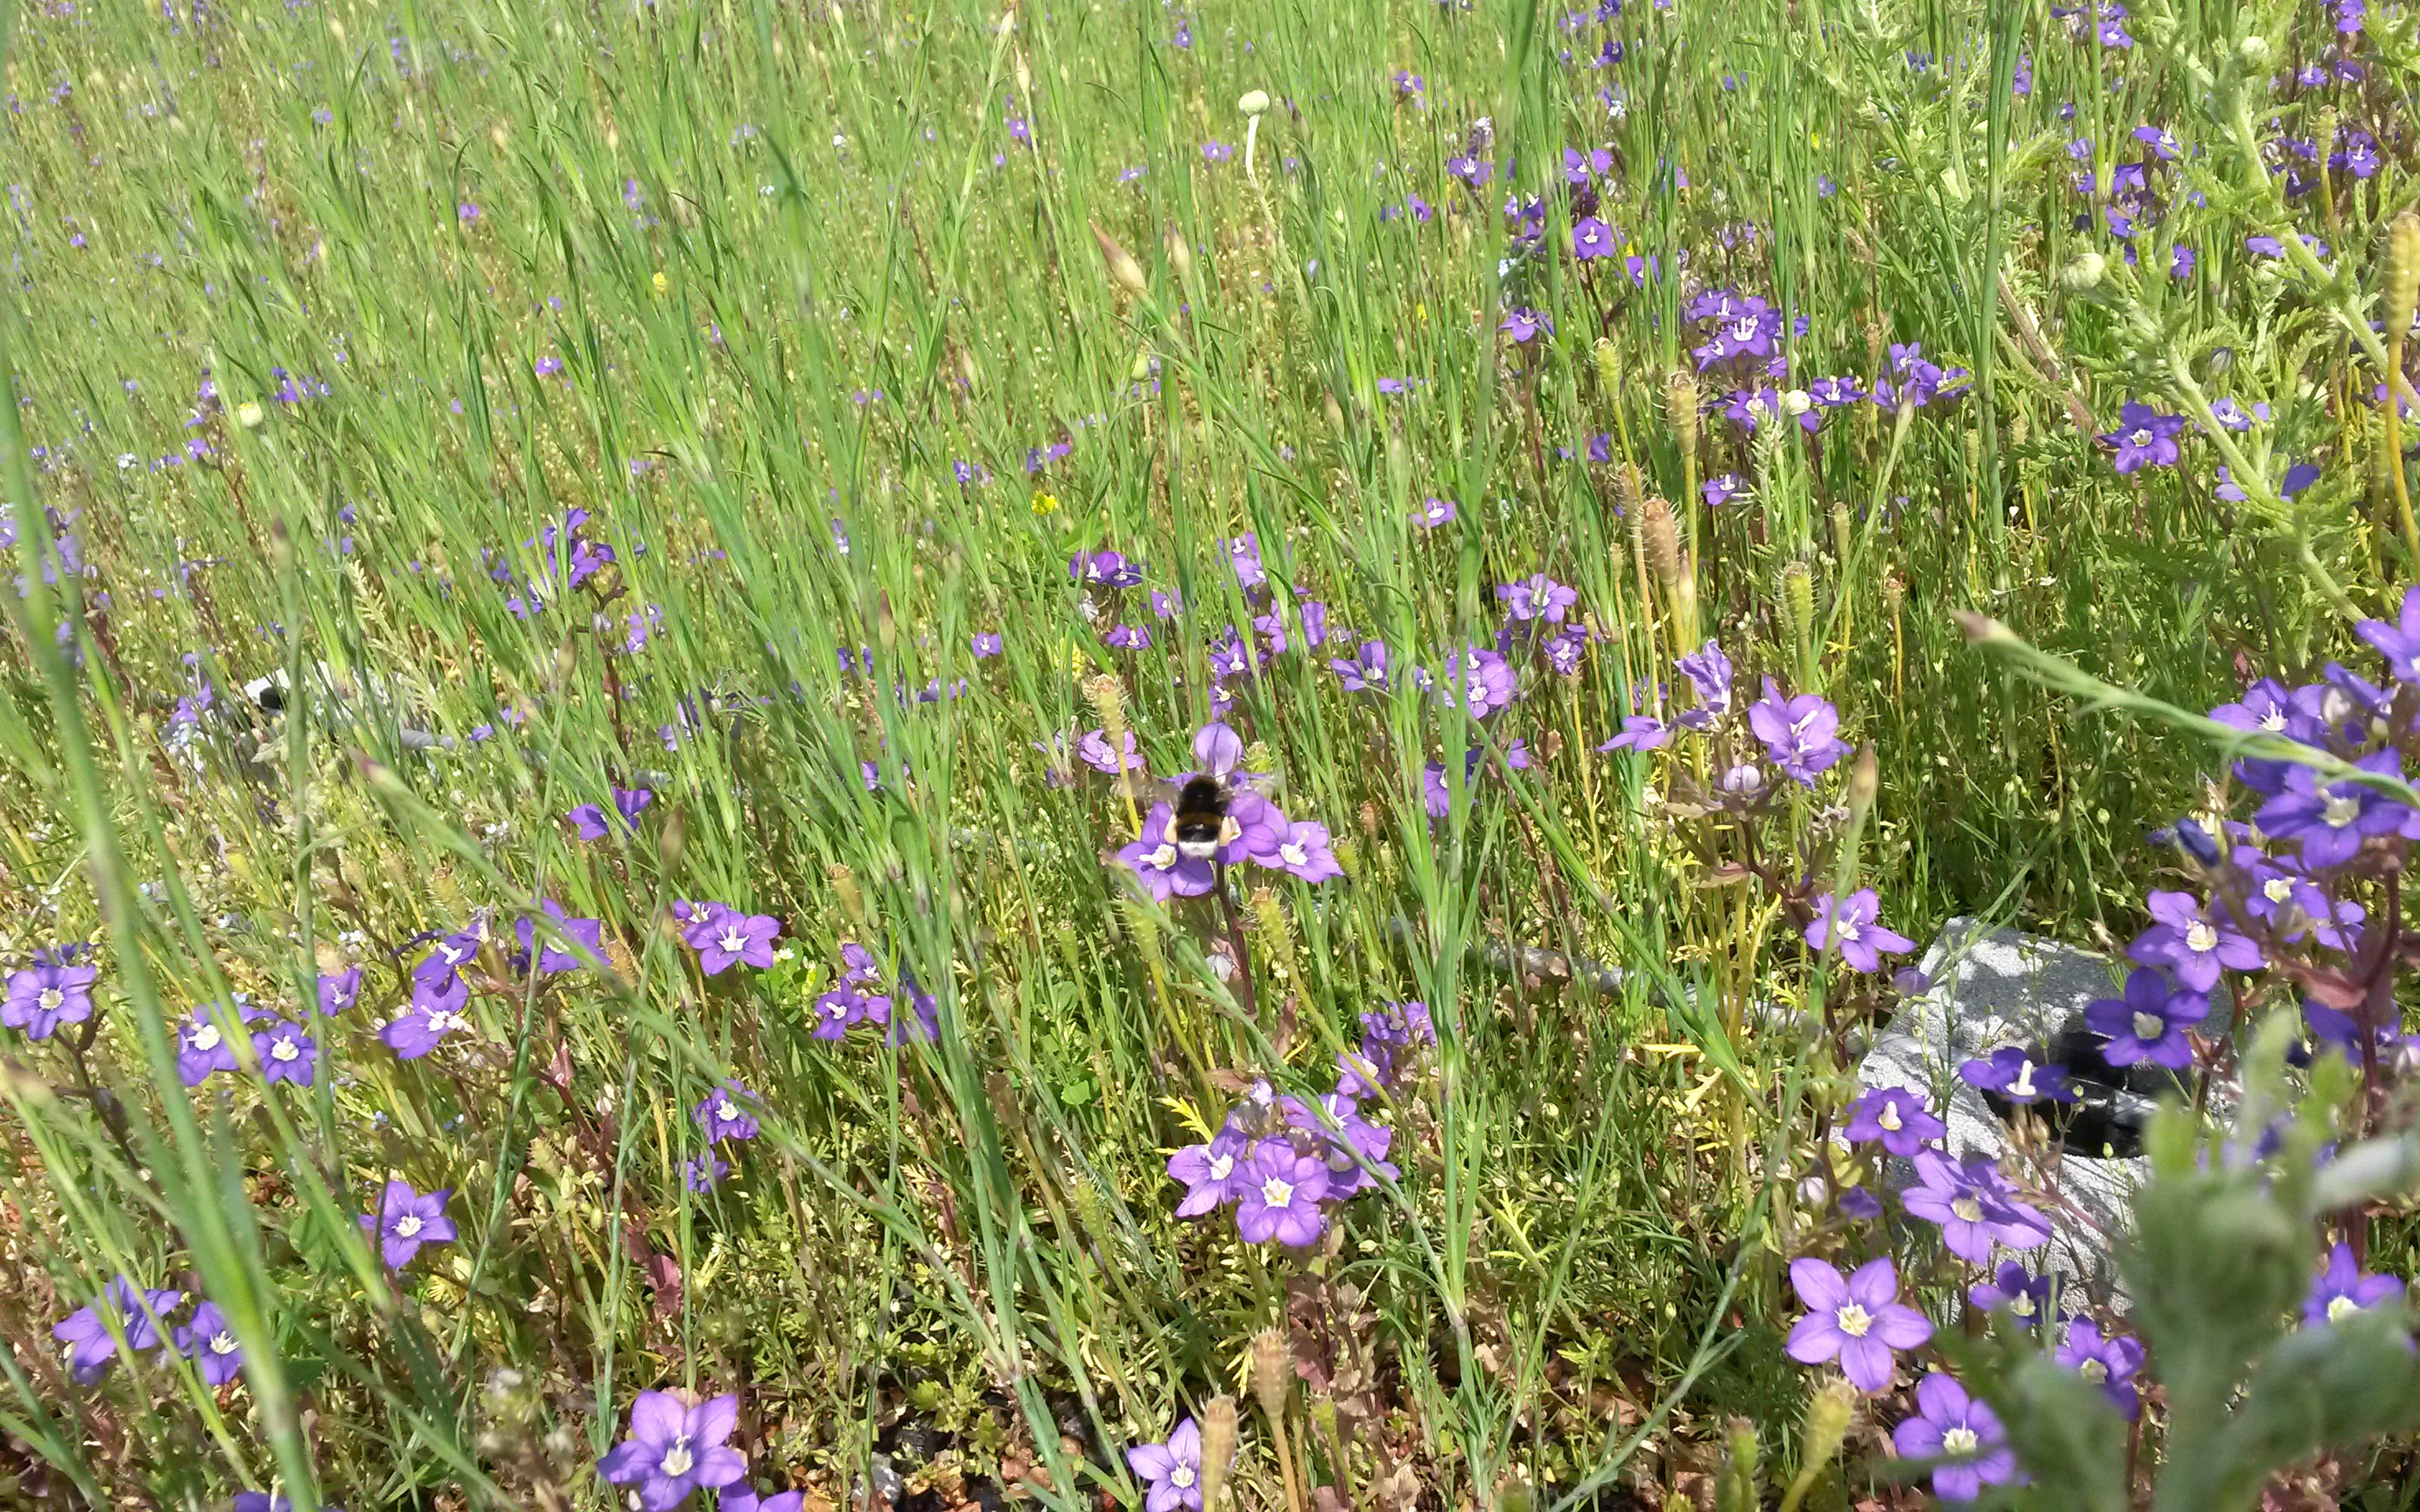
(2023, 1084)
(443, 1021)
(1277, 1193)
(2338, 810)
(408, 1226)
(733, 942)
(1220, 1165)
(725, 1111)
(2094, 1371)
(2277, 889)
(1853, 1320)
(2149, 1026)
(1966, 1210)
(2341, 1308)
(1163, 857)
(1845, 930)
(1180, 1477)
(223, 1342)
(283, 1049)
(2141, 437)
(206, 1037)
(2273, 721)
(2022, 1305)
(678, 1460)
(2200, 937)
(1293, 852)
(1959, 1441)
(1744, 329)
(50, 999)
(1888, 1117)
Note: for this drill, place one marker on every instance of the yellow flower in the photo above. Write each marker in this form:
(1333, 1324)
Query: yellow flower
(1044, 502)
(662, 283)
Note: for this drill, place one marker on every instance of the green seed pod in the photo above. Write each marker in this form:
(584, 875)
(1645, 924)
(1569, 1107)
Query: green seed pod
(1828, 1414)
(1798, 612)
(1735, 1482)
(2402, 273)
(1681, 408)
(1659, 542)
(1608, 366)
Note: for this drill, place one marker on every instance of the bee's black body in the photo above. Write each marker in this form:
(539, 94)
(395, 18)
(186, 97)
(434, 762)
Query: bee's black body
(1200, 814)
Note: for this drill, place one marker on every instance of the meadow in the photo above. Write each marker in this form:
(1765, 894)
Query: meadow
(855, 755)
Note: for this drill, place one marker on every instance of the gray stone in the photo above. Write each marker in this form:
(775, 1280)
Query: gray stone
(1992, 988)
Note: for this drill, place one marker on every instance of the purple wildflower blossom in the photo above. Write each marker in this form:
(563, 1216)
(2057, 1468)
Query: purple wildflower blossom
(1281, 1193)
(1154, 859)
(339, 991)
(2013, 1073)
(1894, 1117)
(2149, 1022)
(1852, 926)
(2329, 821)
(674, 1449)
(725, 1113)
(211, 1344)
(2027, 1298)
(2341, 1290)
(1974, 1205)
(2196, 945)
(1961, 1438)
(46, 995)
(587, 932)
(1213, 1174)
(1857, 1318)
(407, 1220)
(1170, 1472)
(2108, 1363)
(436, 1011)
(86, 1334)
(736, 939)
(1800, 734)
(286, 1054)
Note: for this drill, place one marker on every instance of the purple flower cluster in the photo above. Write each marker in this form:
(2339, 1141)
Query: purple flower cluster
(1254, 830)
(725, 936)
(857, 998)
(1277, 1159)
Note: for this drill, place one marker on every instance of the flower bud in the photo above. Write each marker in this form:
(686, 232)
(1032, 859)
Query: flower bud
(1180, 256)
(2254, 52)
(1894, 590)
(2402, 273)
(1254, 102)
(1865, 780)
(672, 839)
(1218, 1435)
(1608, 366)
(1124, 270)
(1796, 402)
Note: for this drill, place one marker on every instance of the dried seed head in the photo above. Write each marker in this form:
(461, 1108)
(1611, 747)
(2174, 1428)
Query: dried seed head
(674, 838)
(1865, 780)
(1659, 541)
(1894, 590)
(2402, 273)
(1219, 1436)
(1272, 1383)
(1630, 491)
(1124, 272)
(1108, 696)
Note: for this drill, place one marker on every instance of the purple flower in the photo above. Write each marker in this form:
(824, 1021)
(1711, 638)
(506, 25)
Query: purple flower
(1897, 1118)
(1708, 672)
(2109, 1364)
(1522, 324)
(1154, 860)
(1590, 238)
(1244, 555)
(1351, 1140)
(202, 1046)
(1974, 1205)
(1537, 597)
(1640, 732)
(211, 1344)
(2149, 1022)
(1366, 671)
(1857, 1319)
(1128, 637)
(1484, 675)
(2013, 1290)
(1280, 1198)
(2330, 820)
(1303, 850)
(46, 995)
(843, 1008)
(724, 1113)
(1799, 734)
(1094, 750)
(407, 1220)
(135, 1313)
(673, 1449)
(590, 819)
(587, 932)
(1213, 1174)
(2145, 436)
(2342, 1290)
(703, 1172)
(339, 991)
(436, 1011)
(736, 939)
(1434, 513)
(1859, 1205)
(2012, 1071)
(1961, 1438)
(1721, 488)
(1171, 1472)
(2187, 939)
(1851, 927)
(741, 1497)
(1254, 829)
(988, 643)
(286, 1054)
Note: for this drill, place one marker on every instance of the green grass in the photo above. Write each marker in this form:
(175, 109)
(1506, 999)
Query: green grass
(826, 202)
